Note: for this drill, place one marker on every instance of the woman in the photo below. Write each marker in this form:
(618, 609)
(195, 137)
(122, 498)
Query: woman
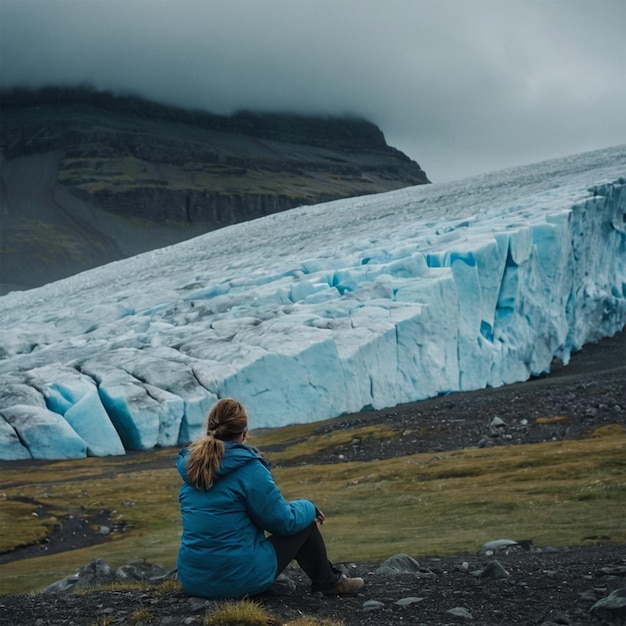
(227, 501)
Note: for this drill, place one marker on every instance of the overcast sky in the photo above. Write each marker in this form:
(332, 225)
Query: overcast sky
(461, 86)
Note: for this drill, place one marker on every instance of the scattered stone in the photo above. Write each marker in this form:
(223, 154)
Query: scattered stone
(405, 564)
(612, 608)
(499, 545)
(346, 568)
(494, 570)
(283, 586)
(589, 595)
(394, 599)
(616, 570)
(197, 605)
(372, 605)
(399, 564)
(142, 570)
(97, 573)
(408, 601)
(557, 619)
(93, 574)
(497, 426)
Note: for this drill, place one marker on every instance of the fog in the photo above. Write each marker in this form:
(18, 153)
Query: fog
(461, 86)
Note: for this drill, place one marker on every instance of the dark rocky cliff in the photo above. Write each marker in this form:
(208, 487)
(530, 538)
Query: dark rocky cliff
(90, 177)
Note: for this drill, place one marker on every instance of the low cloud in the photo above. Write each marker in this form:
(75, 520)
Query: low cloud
(462, 87)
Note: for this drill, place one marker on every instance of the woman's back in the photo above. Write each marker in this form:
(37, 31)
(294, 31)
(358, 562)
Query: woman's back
(227, 501)
(224, 552)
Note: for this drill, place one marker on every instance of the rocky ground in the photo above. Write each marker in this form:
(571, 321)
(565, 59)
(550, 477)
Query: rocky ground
(539, 584)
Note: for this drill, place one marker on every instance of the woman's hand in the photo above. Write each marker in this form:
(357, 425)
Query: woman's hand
(320, 518)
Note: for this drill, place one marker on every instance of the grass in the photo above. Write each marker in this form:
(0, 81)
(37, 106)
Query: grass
(282, 449)
(140, 615)
(53, 241)
(248, 613)
(556, 493)
(244, 613)
(116, 174)
(32, 528)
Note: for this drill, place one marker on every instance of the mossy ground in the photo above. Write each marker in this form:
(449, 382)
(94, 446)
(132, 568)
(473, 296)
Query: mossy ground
(120, 174)
(557, 493)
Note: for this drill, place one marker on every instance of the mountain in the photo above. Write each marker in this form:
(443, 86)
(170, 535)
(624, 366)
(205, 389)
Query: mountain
(411, 294)
(90, 177)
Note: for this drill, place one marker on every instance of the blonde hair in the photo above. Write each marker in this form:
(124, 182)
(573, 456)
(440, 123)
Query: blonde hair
(226, 421)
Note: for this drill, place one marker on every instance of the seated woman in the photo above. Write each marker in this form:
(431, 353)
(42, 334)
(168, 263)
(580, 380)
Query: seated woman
(228, 500)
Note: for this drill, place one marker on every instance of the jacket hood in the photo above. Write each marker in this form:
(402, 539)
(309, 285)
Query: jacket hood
(236, 454)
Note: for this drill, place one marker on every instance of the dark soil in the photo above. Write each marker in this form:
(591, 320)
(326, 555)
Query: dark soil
(544, 586)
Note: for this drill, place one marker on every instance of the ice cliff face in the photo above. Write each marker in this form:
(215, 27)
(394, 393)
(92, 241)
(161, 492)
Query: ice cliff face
(321, 310)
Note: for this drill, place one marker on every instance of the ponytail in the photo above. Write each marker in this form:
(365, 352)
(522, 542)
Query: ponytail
(226, 421)
(204, 461)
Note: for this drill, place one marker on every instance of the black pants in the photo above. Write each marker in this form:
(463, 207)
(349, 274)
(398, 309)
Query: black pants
(309, 550)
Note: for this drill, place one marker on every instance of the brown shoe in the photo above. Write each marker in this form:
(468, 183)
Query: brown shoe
(345, 587)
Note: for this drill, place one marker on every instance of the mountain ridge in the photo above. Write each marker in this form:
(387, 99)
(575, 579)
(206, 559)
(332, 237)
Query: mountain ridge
(90, 177)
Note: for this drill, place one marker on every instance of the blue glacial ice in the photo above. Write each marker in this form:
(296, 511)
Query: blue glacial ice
(322, 310)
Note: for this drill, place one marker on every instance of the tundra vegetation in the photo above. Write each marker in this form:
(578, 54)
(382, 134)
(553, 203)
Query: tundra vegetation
(556, 493)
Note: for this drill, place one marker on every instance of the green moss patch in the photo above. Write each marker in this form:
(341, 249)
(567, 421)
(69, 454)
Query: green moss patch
(555, 493)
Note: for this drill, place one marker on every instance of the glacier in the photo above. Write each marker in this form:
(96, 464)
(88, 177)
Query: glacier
(362, 303)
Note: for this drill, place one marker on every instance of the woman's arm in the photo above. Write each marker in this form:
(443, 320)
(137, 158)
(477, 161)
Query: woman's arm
(267, 507)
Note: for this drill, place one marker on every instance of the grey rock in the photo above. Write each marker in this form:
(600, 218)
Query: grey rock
(497, 427)
(589, 595)
(93, 574)
(408, 601)
(498, 545)
(372, 605)
(617, 570)
(140, 570)
(459, 611)
(168, 575)
(557, 618)
(283, 586)
(346, 568)
(197, 605)
(98, 573)
(405, 564)
(494, 570)
(612, 608)
(399, 564)
(62, 585)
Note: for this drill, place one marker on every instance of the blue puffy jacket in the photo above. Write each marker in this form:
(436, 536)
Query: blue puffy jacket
(224, 552)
